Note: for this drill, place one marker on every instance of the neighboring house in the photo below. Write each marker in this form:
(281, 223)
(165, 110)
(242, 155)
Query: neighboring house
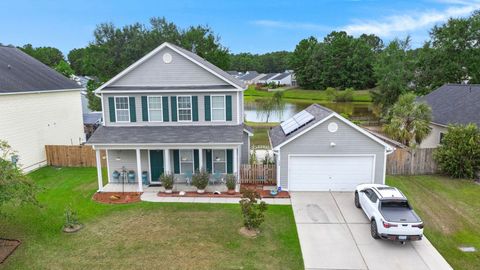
(282, 79)
(38, 107)
(250, 77)
(319, 150)
(451, 104)
(91, 121)
(235, 73)
(171, 112)
(267, 78)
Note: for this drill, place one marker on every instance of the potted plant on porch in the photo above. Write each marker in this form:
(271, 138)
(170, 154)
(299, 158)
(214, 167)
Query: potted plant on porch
(167, 181)
(200, 180)
(231, 182)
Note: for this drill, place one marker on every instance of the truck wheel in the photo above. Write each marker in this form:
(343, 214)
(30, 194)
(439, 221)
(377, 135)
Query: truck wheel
(374, 230)
(357, 201)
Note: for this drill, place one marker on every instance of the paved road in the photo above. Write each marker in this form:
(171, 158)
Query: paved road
(334, 234)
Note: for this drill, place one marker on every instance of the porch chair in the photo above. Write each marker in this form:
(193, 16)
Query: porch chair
(188, 177)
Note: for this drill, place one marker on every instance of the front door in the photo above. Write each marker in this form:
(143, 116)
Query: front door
(156, 165)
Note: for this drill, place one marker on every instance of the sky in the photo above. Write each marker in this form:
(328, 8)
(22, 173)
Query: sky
(243, 25)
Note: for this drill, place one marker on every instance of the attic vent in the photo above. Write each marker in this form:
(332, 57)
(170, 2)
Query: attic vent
(167, 58)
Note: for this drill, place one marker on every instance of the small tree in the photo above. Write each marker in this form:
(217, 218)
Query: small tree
(459, 152)
(253, 211)
(15, 187)
(64, 68)
(94, 102)
(409, 121)
(270, 105)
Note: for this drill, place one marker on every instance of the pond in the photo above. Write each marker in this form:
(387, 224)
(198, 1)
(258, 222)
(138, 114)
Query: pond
(363, 111)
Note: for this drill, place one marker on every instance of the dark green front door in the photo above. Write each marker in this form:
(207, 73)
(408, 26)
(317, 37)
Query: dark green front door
(156, 164)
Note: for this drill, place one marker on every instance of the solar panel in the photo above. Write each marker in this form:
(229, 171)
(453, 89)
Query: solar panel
(297, 121)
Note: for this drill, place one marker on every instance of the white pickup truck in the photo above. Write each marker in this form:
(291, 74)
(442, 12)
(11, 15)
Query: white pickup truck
(389, 212)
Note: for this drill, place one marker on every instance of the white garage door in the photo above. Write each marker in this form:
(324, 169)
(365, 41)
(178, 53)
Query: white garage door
(323, 173)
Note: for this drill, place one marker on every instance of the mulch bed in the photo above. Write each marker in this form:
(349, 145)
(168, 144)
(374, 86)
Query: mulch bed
(263, 194)
(7, 247)
(117, 197)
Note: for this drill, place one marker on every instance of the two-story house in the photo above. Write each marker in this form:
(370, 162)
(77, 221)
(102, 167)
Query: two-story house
(171, 112)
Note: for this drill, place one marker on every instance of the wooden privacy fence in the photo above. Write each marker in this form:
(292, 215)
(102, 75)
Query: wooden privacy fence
(411, 162)
(258, 174)
(72, 156)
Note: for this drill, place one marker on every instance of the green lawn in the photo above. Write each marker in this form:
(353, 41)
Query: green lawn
(134, 236)
(450, 209)
(260, 132)
(302, 94)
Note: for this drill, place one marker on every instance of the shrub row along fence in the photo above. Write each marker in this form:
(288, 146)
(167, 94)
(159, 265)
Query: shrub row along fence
(411, 162)
(72, 156)
(258, 174)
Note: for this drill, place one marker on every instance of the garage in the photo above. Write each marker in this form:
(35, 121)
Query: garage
(325, 172)
(320, 150)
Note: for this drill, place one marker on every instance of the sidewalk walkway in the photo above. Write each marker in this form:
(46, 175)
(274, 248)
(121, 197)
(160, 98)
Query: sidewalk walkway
(152, 197)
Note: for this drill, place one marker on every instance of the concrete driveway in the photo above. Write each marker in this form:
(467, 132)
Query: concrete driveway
(334, 234)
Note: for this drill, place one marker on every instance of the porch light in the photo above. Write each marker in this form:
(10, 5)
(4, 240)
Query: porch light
(332, 144)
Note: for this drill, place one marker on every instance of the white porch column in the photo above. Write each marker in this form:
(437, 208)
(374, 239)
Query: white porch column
(235, 168)
(99, 170)
(167, 161)
(139, 171)
(200, 159)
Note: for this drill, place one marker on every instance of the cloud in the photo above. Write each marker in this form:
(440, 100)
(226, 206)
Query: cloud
(395, 24)
(291, 25)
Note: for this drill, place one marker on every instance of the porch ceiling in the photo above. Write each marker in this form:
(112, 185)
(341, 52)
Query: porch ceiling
(167, 135)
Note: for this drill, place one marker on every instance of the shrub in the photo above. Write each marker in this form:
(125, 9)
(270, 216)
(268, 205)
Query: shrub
(459, 152)
(167, 180)
(267, 159)
(253, 212)
(231, 181)
(71, 219)
(200, 179)
(345, 95)
(330, 93)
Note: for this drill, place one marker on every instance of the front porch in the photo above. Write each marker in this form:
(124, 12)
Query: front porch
(138, 170)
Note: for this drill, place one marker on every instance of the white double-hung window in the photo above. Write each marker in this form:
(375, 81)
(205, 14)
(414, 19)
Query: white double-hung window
(218, 108)
(122, 109)
(186, 161)
(184, 107)
(219, 161)
(155, 113)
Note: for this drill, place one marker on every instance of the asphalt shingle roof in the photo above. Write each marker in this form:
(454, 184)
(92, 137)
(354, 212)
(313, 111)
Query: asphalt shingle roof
(19, 72)
(249, 76)
(277, 136)
(268, 76)
(282, 75)
(167, 135)
(92, 118)
(455, 104)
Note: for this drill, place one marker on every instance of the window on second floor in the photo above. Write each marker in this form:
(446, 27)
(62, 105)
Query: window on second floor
(122, 109)
(218, 108)
(184, 104)
(155, 113)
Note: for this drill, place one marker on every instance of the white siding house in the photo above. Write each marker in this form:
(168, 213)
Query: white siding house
(38, 106)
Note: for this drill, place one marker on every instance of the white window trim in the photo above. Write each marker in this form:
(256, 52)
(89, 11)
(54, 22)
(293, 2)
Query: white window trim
(213, 160)
(180, 160)
(224, 108)
(161, 110)
(115, 102)
(191, 109)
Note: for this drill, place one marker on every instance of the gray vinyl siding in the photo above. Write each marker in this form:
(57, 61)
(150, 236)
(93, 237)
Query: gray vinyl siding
(128, 158)
(180, 72)
(347, 140)
(245, 151)
(201, 109)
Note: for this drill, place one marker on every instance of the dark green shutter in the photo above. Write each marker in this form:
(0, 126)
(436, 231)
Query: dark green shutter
(133, 113)
(229, 161)
(208, 154)
(194, 108)
(144, 109)
(208, 116)
(176, 161)
(174, 108)
(111, 106)
(165, 109)
(196, 160)
(228, 107)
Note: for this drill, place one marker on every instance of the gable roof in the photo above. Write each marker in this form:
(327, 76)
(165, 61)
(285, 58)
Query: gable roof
(249, 76)
(454, 104)
(282, 75)
(187, 54)
(321, 114)
(19, 72)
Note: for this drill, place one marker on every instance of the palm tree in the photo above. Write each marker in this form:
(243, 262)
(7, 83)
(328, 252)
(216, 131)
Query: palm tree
(409, 120)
